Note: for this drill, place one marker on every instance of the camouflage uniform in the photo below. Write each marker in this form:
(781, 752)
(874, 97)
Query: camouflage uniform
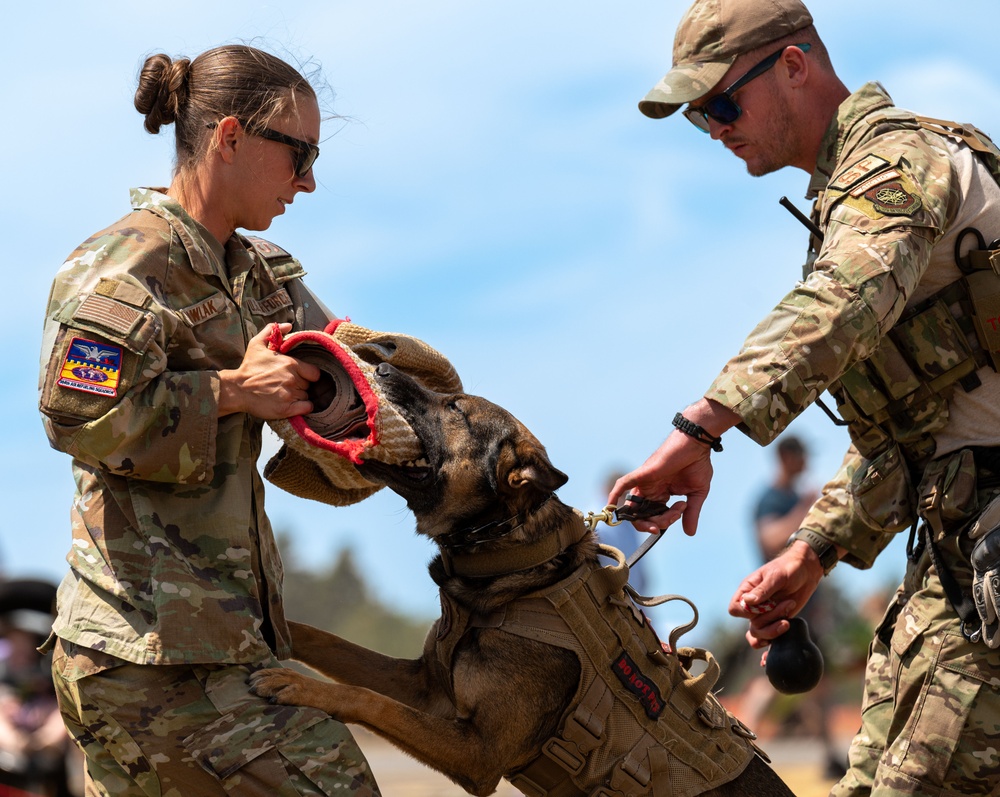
(173, 561)
(891, 199)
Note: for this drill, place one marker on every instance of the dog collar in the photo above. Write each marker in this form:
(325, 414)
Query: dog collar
(494, 530)
(484, 564)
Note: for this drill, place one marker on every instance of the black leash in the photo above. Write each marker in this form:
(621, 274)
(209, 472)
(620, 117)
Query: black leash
(638, 508)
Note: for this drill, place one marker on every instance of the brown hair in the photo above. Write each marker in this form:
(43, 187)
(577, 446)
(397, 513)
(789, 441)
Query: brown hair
(232, 80)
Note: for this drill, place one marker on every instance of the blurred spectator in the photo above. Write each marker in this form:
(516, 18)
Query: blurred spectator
(34, 744)
(782, 505)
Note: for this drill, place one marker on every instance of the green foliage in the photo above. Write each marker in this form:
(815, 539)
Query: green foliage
(339, 600)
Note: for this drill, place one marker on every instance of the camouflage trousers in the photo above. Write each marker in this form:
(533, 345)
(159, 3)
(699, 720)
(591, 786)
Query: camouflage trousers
(930, 721)
(180, 731)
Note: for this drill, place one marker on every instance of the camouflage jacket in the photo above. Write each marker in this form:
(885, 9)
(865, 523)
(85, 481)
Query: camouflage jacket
(882, 252)
(173, 559)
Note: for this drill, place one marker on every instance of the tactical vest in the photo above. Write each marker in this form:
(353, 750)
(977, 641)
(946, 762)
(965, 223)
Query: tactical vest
(900, 393)
(640, 723)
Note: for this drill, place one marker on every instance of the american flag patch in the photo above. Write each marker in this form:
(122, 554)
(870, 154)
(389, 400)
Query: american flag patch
(108, 313)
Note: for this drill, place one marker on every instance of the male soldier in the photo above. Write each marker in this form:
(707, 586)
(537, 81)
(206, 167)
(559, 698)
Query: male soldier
(894, 319)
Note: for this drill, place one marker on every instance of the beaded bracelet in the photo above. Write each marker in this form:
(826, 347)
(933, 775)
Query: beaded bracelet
(692, 429)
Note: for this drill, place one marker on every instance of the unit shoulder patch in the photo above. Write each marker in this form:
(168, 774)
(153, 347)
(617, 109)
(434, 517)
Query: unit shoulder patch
(92, 367)
(888, 193)
(893, 199)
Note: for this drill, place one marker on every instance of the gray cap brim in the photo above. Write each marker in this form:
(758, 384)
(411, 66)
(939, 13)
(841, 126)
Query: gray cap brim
(682, 85)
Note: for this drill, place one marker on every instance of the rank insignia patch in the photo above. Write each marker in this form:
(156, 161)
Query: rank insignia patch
(867, 166)
(92, 367)
(893, 199)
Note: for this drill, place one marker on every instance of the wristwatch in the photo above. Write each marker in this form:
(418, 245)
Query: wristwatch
(825, 550)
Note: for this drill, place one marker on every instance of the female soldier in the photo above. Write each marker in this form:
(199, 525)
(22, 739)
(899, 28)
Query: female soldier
(156, 379)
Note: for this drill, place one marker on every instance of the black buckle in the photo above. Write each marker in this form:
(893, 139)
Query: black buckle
(638, 508)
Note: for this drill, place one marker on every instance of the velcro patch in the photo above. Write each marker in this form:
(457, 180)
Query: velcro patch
(270, 304)
(865, 167)
(632, 679)
(123, 292)
(205, 309)
(878, 198)
(893, 199)
(266, 249)
(108, 313)
(871, 182)
(91, 367)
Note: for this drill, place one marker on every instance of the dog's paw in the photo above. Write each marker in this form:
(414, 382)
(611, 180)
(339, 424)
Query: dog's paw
(291, 688)
(278, 685)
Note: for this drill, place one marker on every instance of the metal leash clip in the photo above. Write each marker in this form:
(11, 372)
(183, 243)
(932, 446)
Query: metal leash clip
(635, 508)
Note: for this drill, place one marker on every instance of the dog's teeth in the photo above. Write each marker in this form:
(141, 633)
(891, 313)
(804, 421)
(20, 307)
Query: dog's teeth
(422, 463)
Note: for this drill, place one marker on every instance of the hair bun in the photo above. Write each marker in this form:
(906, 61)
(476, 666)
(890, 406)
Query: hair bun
(162, 90)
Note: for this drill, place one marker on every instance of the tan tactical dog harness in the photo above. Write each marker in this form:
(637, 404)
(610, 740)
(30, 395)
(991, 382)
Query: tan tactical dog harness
(640, 723)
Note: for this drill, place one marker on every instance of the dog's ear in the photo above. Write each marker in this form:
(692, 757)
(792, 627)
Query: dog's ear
(533, 468)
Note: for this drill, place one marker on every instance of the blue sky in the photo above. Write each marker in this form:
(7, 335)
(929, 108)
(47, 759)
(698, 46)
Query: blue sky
(494, 191)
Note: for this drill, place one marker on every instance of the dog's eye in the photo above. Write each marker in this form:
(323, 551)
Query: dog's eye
(453, 406)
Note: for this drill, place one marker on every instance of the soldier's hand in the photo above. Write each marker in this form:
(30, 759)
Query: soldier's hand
(681, 466)
(267, 384)
(776, 591)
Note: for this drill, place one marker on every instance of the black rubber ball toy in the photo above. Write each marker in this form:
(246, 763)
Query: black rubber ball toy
(794, 663)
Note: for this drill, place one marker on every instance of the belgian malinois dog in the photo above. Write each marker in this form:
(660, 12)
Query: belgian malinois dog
(483, 492)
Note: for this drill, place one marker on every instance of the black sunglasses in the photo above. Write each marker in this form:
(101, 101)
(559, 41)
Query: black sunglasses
(722, 107)
(305, 153)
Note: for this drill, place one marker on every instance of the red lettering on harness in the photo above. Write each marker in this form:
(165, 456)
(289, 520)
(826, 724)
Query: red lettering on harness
(638, 684)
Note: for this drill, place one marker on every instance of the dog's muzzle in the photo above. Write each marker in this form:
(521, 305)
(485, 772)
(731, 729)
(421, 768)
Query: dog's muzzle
(353, 420)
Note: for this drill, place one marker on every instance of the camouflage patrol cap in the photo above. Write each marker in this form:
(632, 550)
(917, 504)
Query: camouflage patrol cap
(712, 34)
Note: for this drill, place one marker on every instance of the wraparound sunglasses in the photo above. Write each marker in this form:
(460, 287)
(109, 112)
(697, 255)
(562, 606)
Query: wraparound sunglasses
(305, 153)
(722, 107)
